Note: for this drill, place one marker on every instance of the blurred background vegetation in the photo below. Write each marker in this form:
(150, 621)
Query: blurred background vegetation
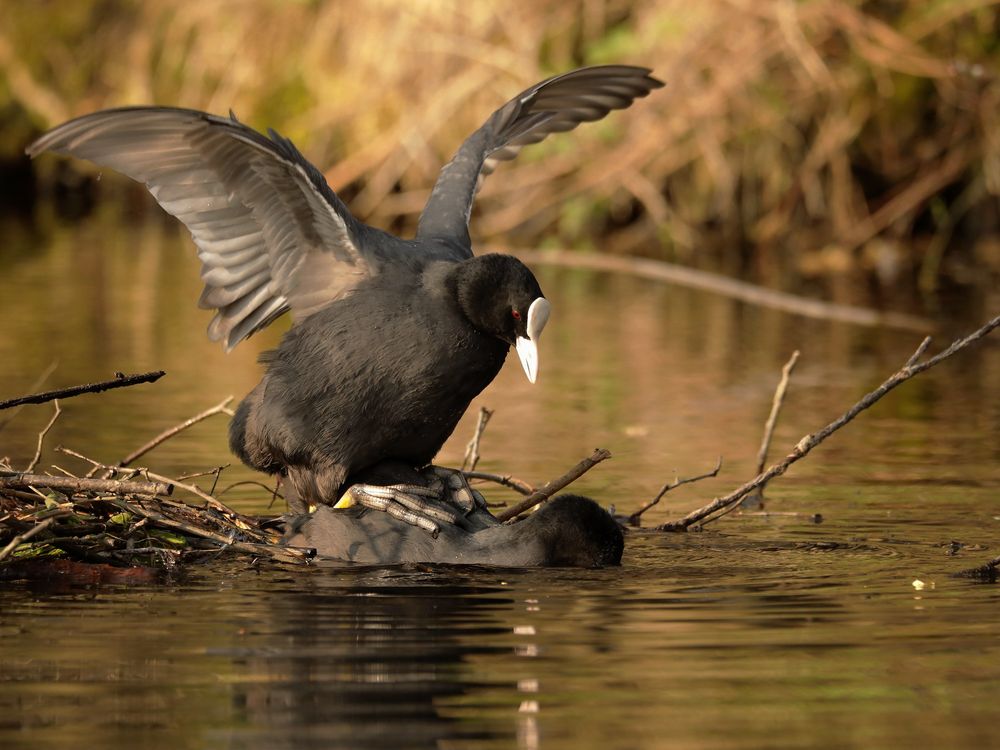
(796, 143)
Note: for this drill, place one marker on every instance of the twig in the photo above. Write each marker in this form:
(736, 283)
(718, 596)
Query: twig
(550, 488)
(219, 408)
(285, 554)
(472, 449)
(252, 483)
(772, 419)
(20, 539)
(21, 479)
(41, 438)
(120, 381)
(633, 520)
(194, 490)
(96, 466)
(519, 485)
(807, 443)
(776, 403)
(648, 268)
(209, 473)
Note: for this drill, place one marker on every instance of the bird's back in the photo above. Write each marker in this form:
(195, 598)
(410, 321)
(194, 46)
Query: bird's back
(385, 372)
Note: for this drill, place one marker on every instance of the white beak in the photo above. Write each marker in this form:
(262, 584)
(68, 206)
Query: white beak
(527, 348)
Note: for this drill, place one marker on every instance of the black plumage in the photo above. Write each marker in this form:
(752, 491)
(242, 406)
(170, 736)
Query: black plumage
(392, 338)
(569, 531)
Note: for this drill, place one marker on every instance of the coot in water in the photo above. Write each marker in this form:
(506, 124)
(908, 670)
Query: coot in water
(392, 338)
(569, 531)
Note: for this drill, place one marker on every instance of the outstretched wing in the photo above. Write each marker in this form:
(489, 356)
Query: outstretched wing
(271, 234)
(552, 106)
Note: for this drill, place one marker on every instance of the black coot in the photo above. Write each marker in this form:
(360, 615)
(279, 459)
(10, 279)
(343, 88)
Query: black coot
(392, 338)
(568, 531)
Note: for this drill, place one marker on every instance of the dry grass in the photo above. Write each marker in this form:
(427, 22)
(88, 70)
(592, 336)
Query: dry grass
(841, 130)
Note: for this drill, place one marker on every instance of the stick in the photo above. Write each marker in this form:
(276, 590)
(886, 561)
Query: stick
(194, 490)
(506, 480)
(41, 438)
(251, 483)
(209, 473)
(22, 538)
(284, 554)
(633, 520)
(221, 407)
(550, 488)
(772, 419)
(807, 443)
(19, 479)
(120, 381)
(472, 449)
(776, 403)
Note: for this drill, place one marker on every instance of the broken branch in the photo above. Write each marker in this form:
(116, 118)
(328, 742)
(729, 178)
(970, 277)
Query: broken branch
(21, 480)
(910, 369)
(120, 381)
(633, 520)
(756, 498)
(221, 407)
(550, 488)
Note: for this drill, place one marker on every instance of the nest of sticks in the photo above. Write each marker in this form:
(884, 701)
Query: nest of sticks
(121, 516)
(117, 517)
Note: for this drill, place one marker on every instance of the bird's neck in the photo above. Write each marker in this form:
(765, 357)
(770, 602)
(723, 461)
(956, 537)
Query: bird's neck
(475, 291)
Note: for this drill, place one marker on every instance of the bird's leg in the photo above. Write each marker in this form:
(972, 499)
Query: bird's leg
(452, 485)
(407, 502)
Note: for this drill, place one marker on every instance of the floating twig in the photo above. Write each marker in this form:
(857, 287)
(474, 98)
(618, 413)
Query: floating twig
(910, 369)
(120, 381)
(550, 488)
(633, 520)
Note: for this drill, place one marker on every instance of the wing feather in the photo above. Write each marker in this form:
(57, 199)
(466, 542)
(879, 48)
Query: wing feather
(553, 106)
(259, 213)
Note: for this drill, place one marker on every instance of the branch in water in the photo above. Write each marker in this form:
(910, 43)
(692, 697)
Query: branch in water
(912, 368)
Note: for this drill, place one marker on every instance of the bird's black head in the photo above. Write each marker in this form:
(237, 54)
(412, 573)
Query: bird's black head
(500, 295)
(578, 532)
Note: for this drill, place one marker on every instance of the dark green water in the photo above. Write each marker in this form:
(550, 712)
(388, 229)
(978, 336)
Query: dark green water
(763, 631)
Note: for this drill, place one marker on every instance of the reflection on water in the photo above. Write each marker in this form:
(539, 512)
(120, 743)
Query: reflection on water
(766, 631)
(697, 641)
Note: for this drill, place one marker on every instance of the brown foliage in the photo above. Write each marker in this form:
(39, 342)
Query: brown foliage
(839, 129)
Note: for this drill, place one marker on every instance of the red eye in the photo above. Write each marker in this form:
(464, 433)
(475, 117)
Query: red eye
(516, 314)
